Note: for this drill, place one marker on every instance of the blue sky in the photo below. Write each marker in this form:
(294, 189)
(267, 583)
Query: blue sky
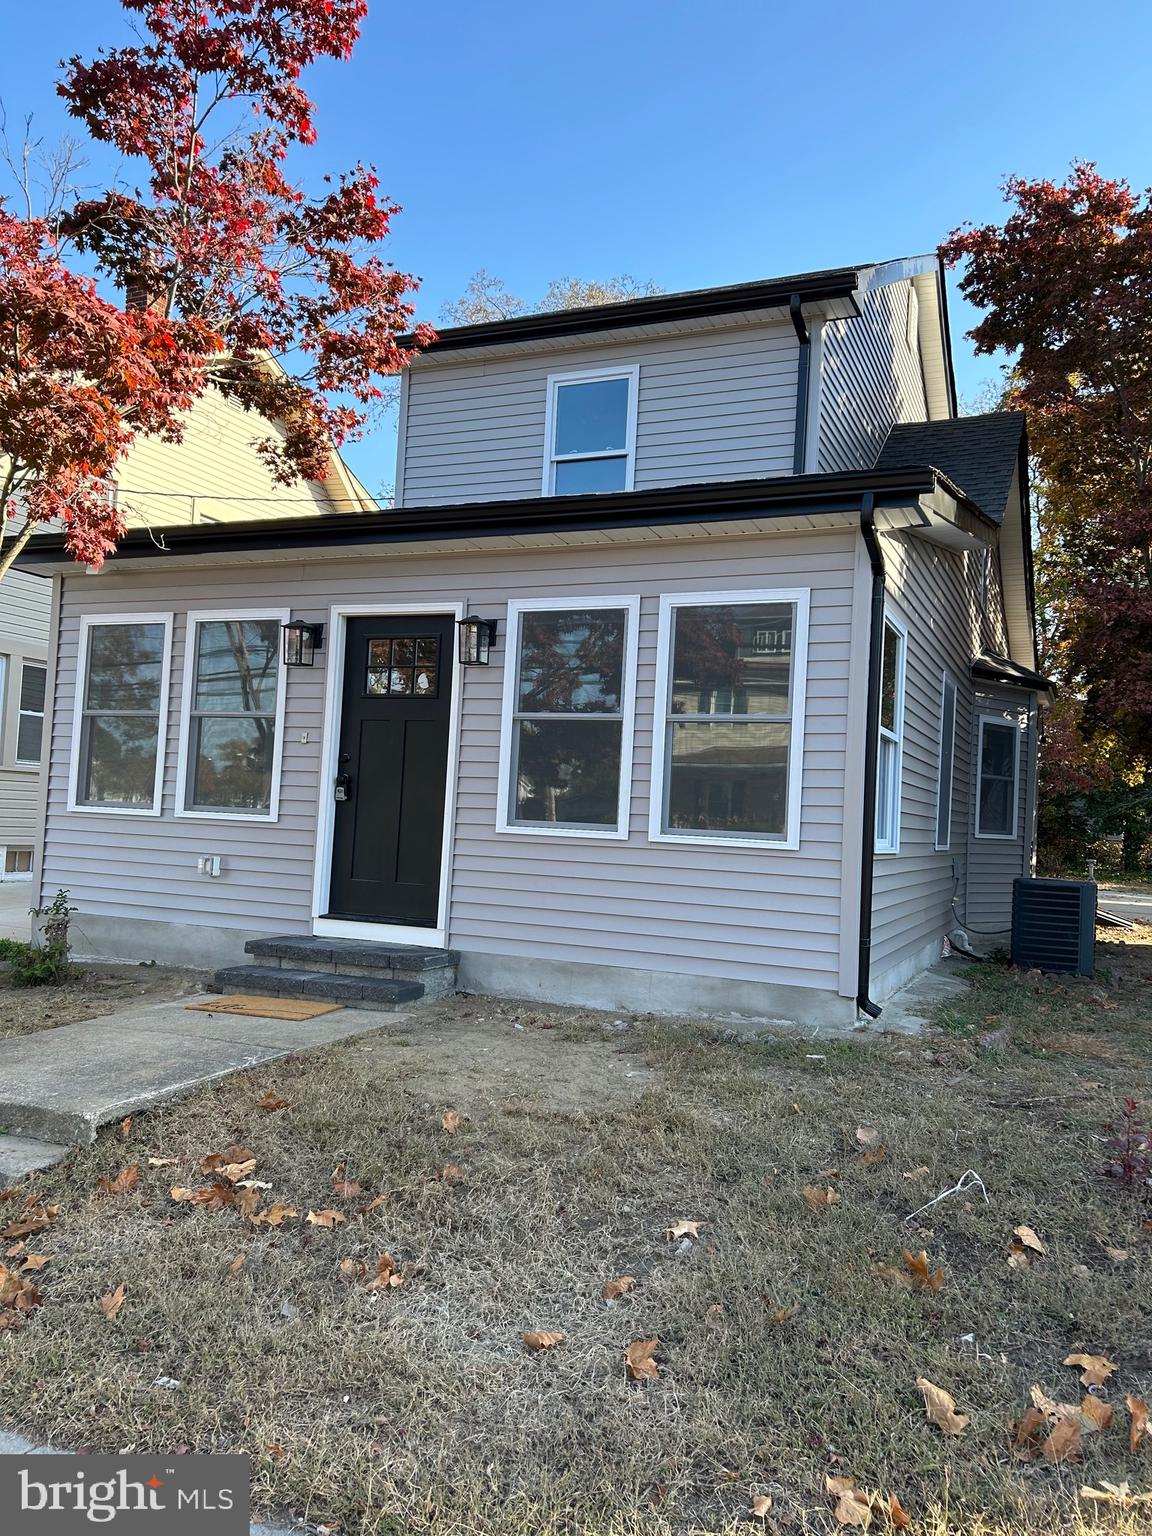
(687, 144)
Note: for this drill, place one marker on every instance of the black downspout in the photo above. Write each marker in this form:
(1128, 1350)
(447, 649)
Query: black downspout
(799, 451)
(871, 753)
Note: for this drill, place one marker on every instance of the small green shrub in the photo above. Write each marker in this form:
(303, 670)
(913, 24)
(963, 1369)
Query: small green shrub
(33, 967)
(10, 949)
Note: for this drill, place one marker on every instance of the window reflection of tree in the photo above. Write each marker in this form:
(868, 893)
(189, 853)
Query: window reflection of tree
(236, 679)
(120, 731)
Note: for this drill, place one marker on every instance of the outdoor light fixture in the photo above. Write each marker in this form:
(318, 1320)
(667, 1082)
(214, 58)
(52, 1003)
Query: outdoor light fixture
(477, 637)
(301, 642)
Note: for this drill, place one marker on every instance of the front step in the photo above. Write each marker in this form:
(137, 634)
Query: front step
(434, 968)
(380, 992)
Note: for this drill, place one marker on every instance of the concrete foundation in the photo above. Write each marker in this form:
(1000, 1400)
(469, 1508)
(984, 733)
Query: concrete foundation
(196, 946)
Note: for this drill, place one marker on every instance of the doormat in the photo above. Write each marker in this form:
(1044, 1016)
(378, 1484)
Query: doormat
(265, 1007)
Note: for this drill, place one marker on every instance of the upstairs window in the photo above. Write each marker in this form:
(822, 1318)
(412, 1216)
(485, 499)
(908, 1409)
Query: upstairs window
(121, 712)
(591, 432)
(890, 747)
(568, 708)
(30, 730)
(730, 718)
(997, 777)
(234, 696)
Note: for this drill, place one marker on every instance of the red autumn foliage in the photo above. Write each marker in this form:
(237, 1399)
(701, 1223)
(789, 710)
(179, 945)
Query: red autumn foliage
(277, 298)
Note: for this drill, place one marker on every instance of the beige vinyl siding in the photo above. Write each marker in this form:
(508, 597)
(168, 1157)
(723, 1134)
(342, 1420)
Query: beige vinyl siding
(740, 913)
(935, 591)
(213, 475)
(25, 605)
(716, 405)
(870, 379)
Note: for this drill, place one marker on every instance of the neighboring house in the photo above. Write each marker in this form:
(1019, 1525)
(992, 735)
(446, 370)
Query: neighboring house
(214, 475)
(757, 726)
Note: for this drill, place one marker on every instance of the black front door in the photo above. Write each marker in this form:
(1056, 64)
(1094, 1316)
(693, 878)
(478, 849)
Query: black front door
(392, 773)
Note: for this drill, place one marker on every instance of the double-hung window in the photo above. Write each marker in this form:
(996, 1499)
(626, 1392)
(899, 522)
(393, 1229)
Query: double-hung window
(30, 723)
(997, 776)
(890, 746)
(566, 741)
(947, 763)
(231, 732)
(121, 714)
(591, 431)
(729, 722)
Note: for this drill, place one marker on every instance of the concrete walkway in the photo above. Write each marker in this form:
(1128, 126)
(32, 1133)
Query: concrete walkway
(16, 896)
(58, 1086)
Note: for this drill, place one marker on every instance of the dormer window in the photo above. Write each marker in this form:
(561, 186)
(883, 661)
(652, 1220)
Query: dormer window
(591, 431)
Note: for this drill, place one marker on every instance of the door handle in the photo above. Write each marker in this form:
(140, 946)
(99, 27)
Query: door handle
(341, 789)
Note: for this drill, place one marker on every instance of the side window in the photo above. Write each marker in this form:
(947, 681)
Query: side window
(230, 737)
(568, 712)
(730, 721)
(947, 764)
(591, 432)
(122, 710)
(30, 727)
(890, 747)
(997, 777)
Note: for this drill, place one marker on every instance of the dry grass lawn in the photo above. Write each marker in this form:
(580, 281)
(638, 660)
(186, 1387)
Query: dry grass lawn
(88, 991)
(417, 1409)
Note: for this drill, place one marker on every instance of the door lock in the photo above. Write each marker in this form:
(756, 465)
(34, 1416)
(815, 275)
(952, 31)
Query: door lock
(342, 786)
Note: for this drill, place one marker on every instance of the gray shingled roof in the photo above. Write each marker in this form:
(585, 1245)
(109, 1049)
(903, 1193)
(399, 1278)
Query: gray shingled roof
(977, 453)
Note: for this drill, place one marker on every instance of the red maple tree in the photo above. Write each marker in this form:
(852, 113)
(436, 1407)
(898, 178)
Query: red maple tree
(238, 280)
(1066, 288)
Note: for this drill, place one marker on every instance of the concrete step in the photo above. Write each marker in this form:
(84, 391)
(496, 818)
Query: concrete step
(435, 968)
(378, 991)
(22, 1155)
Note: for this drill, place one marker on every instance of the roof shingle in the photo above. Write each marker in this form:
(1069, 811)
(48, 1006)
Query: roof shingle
(977, 453)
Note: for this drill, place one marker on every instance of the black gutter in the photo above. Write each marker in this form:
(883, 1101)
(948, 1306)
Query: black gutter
(871, 755)
(800, 441)
(657, 309)
(716, 501)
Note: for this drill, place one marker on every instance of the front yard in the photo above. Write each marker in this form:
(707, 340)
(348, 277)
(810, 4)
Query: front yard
(512, 1161)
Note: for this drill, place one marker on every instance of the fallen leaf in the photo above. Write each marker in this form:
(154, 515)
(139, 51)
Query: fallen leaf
(35, 1261)
(124, 1182)
(373, 1204)
(1115, 1493)
(271, 1101)
(1051, 1409)
(681, 1229)
(112, 1303)
(1097, 1412)
(220, 1161)
(940, 1408)
(248, 1198)
(347, 1189)
(213, 1197)
(1025, 1249)
(820, 1199)
(15, 1250)
(871, 1156)
(614, 1289)
(353, 1269)
(542, 1340)
(924, 1277)
(451, 1121)
(451, 1173)
(276, 1451)
(275, 1216)
(1095, 1369)
(24, 1226)
(1138, 1427)
(761, 1504)
(900, 1278)
(325, 1218)
(253, 1184)
(916, 1174)
(867, 1135)
(163, 1162)
(126, 1127)
(898, 1518)
(237, 1264)
(783, 1315)
(1117, 1255)
(851, 1510)
(1064, 1443)
(639, 1359)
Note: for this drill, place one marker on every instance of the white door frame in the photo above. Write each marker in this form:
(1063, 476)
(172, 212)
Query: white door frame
(342, 928)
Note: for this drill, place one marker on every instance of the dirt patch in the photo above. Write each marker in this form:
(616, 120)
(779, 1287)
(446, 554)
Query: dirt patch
(88, 992)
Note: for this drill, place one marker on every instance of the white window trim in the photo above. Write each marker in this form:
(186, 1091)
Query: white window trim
(669, 602)
(946, 791)
(898, 624)
(3, 710)
(1006, 719)
(516, 609)
(193, 621)
(36, 714)
(89, 622)
(629, 371)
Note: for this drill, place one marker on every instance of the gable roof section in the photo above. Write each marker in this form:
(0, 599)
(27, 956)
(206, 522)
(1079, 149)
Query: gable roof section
(980, 454)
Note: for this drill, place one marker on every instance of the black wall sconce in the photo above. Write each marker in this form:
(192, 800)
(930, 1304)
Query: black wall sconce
(301, 642)
(477, 637)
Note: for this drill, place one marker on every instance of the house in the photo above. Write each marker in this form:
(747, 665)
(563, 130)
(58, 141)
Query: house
(694, 669)
(212, 476)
